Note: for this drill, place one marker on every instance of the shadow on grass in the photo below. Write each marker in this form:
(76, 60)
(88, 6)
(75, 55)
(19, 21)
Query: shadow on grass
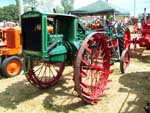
(63, 98)
(18, 93)
(138, 84)
(139, 51)
(60, 96)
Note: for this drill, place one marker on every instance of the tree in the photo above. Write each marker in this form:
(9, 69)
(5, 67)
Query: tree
(59, 9)
(46, 5)
(8, 13)
(41, 5)
(67, 4)
(17, 2)
(29, 2)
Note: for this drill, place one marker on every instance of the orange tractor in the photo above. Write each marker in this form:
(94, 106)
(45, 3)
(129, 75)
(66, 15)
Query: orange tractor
(10, 49)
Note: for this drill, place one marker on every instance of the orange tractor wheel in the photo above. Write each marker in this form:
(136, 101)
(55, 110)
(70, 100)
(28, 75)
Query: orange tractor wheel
(11, 66)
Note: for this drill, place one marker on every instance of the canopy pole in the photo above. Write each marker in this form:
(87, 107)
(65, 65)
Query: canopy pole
(21, 10)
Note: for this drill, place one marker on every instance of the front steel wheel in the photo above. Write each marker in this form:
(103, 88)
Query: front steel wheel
(124, 48)
(43, 74)
(92, 67)
(124, 61)
(124, 42)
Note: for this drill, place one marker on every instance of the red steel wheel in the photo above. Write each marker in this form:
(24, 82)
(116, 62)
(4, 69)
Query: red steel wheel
(124, 42)
(124, 45)
(124, 61)
(92, 67)
(127, 38)
(44, 74)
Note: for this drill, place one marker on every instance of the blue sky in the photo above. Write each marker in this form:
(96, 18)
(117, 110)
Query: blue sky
(125, 4)
(6, 2)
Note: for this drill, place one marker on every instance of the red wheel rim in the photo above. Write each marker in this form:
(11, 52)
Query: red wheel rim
(127, 39)
(43, 74)
(92, 67)
(124, 61)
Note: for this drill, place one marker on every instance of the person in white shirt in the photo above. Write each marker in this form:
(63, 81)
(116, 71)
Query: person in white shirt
(139, 25)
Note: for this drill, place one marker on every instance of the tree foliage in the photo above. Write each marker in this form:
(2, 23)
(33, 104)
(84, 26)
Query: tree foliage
(48, 5)
(67, 4)
(29, 2)
(59, 9)
(41, 5)
(9, 13)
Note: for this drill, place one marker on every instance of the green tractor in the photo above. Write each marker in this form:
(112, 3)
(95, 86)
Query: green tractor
(90, 53)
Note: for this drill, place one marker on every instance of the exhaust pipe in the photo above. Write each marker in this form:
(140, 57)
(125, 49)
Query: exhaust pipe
(52, 46)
